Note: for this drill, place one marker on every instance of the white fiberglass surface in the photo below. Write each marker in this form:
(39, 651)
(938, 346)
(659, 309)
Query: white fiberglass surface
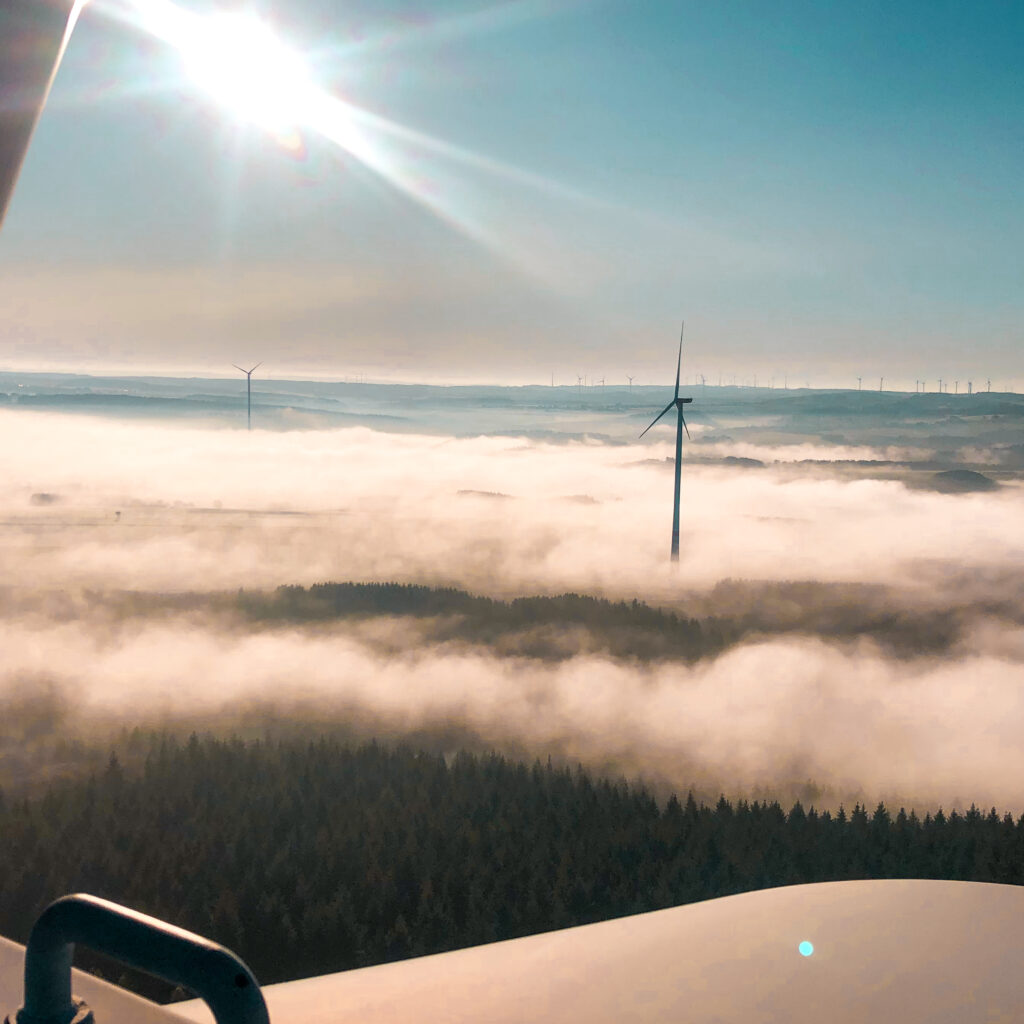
(896, 950)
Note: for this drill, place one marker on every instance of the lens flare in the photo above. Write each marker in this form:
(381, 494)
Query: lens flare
(806, 948)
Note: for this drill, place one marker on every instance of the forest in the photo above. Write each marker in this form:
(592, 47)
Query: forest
(307, 857)
(556, 627)
(549, 627)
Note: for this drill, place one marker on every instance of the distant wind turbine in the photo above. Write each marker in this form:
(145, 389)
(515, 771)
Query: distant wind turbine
(248, 391)
(630, 379)
(677, 403)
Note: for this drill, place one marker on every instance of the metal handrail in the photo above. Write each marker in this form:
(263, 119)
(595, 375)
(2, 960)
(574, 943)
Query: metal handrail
(214, 973)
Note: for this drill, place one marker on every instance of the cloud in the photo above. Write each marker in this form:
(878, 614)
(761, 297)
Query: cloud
(877, 651)
(207, 509)
(787, 717)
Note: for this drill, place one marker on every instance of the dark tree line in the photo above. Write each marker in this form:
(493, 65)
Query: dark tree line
(536, 626)
(310, 857)
(561, 626)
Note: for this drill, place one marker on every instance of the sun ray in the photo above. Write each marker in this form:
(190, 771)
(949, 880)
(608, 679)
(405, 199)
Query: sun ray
(498, 17)
(239, 62)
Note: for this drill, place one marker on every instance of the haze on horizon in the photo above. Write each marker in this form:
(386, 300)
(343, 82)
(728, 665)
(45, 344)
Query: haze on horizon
(824, 193)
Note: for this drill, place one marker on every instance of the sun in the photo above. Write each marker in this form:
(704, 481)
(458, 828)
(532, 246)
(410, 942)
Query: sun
(238, 62)
(241, 64)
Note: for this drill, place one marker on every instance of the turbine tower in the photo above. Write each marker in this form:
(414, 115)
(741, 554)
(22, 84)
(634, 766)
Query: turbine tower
(677, 403)
(248, 391)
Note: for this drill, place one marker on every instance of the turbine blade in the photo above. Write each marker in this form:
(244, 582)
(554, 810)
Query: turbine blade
(658, 417)
(679, 361)
(257, 366)
(32, 44)
(685, 427)
(237, 367)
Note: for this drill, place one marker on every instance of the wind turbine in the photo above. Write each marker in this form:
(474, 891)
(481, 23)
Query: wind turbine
(677, 403)
(248, 391)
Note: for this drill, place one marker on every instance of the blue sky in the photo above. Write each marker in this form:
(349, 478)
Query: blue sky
(822, 190)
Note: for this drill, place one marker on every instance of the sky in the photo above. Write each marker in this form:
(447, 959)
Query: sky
(537, 188)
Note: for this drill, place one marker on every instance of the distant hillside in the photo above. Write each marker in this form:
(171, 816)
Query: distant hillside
(543, 627)
(961, 481)
(613, 414)
(562, 626)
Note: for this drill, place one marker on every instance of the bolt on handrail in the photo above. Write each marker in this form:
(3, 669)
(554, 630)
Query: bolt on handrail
(214, 973)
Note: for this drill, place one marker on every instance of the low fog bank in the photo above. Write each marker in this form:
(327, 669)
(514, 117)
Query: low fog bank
(870, 639)
(792, 717)
(153, 507)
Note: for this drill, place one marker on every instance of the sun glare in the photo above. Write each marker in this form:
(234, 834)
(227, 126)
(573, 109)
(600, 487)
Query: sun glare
(238, 62)
(241, 64)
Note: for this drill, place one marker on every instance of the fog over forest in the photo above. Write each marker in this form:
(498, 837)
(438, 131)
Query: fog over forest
(854, 563)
